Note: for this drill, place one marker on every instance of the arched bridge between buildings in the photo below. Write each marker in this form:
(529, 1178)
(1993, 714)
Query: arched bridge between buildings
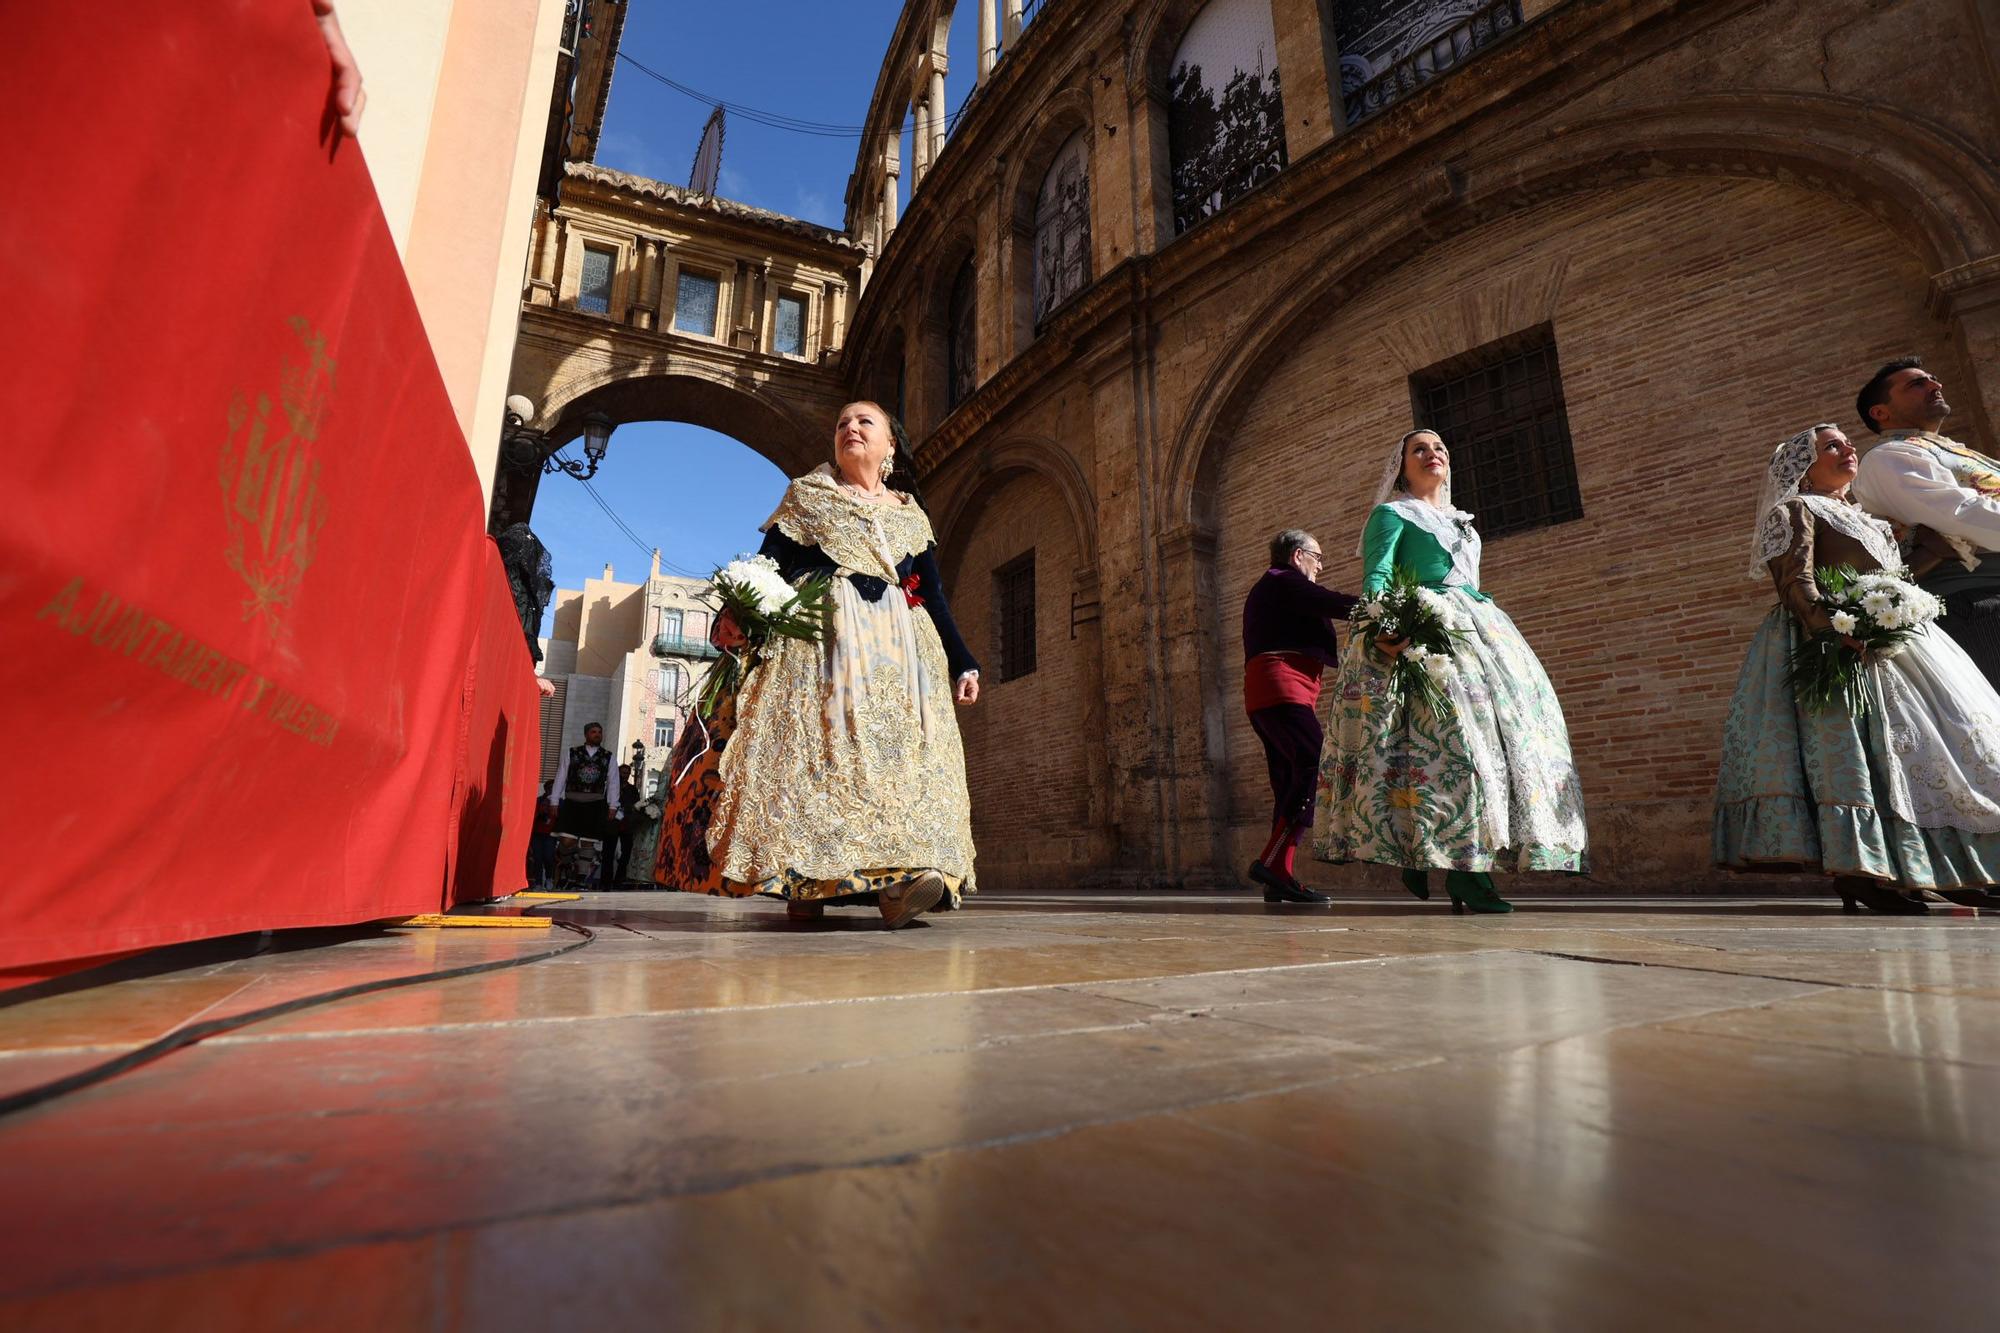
(571, 364)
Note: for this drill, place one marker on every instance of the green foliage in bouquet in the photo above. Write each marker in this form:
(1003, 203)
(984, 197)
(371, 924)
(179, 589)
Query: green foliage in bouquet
(1881, 611)
(765, 608)
(1406, 609)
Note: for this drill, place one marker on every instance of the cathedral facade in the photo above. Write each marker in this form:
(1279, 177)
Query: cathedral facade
(1182, 273)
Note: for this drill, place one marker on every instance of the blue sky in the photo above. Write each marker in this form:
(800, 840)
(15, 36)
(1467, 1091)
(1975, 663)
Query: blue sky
(698, 495)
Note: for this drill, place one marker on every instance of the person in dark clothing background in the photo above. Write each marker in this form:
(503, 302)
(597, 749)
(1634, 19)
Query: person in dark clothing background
(542, 843)
(1288, 639)
(618, 853)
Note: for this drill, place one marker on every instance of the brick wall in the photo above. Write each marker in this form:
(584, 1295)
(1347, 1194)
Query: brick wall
(1027, 739)
(1697, 323)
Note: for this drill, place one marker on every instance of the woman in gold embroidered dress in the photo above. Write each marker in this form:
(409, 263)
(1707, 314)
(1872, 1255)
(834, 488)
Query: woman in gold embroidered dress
(844, 779)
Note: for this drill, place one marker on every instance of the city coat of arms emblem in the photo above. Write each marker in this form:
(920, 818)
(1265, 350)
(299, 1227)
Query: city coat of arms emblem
(270, 480)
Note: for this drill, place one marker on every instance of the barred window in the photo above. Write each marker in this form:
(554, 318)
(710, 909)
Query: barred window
(961, 339)
(788, 333)
(1014, 615)
(593, 293)
(697, 296)
(1062, 227)
(1500, 411)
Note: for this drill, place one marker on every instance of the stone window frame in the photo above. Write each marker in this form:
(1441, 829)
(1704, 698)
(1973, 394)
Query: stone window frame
(1040, 315)
(1014, 619)
(709, 263)
(579, 235)
(786, 280)
(673, 681)
(1547, 482)
(961, 345)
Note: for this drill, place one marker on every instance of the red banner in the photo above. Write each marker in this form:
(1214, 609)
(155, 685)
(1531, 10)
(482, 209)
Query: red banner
(262, 668)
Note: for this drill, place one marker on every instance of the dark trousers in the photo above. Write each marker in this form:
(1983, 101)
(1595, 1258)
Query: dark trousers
(1292, 739)
(541, 858)
(586, 819)
(617, 855)
(1973, 619)
(589, 819)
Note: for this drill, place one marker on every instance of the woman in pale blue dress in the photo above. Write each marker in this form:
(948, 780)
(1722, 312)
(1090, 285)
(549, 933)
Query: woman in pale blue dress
(1901, 799)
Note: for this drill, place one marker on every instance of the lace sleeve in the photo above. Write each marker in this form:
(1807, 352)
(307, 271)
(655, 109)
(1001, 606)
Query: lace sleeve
(1793, 572)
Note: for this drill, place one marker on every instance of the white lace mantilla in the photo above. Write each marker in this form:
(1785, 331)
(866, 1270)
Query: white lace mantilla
(1452, 527)
(1843, 516)
(862, 537)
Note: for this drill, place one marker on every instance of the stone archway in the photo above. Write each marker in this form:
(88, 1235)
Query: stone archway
(569, 367)
(1042, 811)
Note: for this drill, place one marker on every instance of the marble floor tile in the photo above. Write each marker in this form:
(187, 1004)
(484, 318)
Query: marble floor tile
(1046, 1112)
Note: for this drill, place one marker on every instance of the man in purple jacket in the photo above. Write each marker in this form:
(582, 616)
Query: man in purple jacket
(1288, 639)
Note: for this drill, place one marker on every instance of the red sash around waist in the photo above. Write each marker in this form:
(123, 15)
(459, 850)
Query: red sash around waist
(1270, 679)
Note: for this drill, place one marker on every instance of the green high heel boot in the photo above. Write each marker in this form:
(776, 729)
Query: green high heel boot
(1473, 891)
(1418, 882)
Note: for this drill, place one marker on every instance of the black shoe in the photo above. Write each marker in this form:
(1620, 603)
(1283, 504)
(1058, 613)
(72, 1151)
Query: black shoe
(1878, 897)
(1984, 899)
(1283, 888)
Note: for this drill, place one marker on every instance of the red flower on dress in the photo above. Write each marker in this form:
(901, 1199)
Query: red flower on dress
(910, 586)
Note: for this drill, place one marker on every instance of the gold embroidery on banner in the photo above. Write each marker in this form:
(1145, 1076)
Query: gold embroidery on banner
(129, 631)
(270, 480)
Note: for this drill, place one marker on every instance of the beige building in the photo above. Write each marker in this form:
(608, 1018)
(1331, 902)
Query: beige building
(629, 656)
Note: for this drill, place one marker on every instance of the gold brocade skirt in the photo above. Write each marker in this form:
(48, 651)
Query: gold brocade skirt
(845, 773)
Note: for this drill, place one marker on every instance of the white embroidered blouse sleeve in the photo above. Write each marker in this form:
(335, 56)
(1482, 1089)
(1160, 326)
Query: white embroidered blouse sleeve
(1909, 486)
(562, 777)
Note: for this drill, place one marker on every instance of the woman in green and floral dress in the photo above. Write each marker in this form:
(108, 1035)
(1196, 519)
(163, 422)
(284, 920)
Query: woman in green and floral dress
(1491, 784)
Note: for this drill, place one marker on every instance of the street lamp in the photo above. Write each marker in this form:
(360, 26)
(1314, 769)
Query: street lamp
(596, 440)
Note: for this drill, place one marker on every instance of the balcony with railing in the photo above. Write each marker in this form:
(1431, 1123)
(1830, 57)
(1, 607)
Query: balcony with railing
(671, 645)
(1428, 54)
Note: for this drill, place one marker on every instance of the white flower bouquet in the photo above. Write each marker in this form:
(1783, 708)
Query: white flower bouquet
(1406, 609)
(1880, 611)
(751, 591)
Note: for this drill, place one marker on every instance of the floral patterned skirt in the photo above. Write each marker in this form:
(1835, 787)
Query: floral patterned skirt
(1491, 786)
(1908, 793)
(844, 773)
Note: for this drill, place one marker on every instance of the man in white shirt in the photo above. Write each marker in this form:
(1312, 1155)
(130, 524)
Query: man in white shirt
(1914, 476)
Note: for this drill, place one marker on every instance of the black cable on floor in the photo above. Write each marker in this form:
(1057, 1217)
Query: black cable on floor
(194, 1032)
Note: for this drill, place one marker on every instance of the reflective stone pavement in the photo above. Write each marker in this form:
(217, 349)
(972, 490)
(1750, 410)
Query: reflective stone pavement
(1044, 1112)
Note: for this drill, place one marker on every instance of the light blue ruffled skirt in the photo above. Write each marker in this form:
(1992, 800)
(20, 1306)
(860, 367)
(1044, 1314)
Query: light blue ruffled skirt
(1908, 793)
